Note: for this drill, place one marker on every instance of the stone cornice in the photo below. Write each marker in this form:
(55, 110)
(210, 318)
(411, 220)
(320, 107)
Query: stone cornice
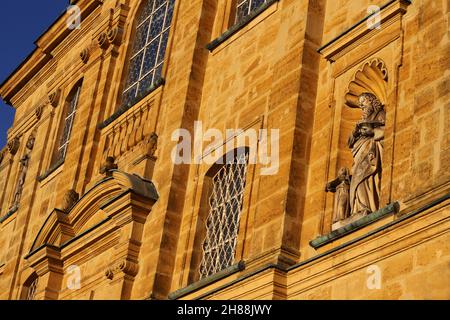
(45, 44)
(333, 49)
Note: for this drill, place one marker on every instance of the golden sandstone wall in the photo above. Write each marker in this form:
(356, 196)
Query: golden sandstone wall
(269, 74)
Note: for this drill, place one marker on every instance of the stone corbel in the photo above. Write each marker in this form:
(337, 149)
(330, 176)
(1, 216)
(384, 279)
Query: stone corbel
(121, 269)
(102, 41)
(114, 36)
(53, 98)
(84, 55)
(38, 111)
(13, 145)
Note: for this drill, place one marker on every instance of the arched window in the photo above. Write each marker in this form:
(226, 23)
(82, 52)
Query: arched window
(66, 126)
(225, 206)
(246, 7)
(30, 287)
(148, 49)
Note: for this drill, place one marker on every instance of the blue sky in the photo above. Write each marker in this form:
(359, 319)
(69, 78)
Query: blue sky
(21, 23)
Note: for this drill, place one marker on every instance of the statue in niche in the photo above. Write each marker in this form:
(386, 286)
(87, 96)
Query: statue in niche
(341, 187)
(24, 162)
(366, 143)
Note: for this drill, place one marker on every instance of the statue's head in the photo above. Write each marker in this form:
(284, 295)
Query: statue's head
(369, 103)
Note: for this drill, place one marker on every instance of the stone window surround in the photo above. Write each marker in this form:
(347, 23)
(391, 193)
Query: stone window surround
(236, 27)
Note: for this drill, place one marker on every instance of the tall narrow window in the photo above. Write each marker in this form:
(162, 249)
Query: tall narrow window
(149, 47)
(246, 7)
(67, 125)
(222, 224)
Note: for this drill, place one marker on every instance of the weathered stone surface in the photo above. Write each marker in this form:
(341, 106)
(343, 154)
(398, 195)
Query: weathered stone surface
(133, 238)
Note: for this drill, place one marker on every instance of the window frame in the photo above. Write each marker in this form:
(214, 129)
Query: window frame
(222, 201)
(129, 55)
(65, 114)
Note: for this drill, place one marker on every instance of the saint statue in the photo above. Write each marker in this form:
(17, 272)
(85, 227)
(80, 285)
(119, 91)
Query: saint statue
(366, 143)
(341, 187)
(21, 180)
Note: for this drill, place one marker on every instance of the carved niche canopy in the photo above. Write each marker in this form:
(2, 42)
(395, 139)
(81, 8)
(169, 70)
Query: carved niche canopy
(371, 77)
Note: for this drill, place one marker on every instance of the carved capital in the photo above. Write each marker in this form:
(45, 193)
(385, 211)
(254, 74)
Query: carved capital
(13, 145)
(84, 55)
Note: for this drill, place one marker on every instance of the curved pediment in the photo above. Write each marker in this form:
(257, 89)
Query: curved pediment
(88, 211)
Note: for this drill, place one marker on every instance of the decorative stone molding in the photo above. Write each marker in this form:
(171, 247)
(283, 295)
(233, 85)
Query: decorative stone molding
(31, 140)
(84, 55)
(109, 217)
(114, 36)
(108, 166)
(102, 40)
(125, 267)
(53, 98)
(13, 145)
(38, 111)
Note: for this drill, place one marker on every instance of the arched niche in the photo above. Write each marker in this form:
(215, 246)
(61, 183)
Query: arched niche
(372, 77)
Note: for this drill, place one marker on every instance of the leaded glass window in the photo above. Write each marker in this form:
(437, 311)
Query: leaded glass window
(148, 48)
(69, 117)
(222, 224)
(29, 291)
(246, 7)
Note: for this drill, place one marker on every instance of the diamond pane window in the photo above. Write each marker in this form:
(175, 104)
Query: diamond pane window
(148, 50)
(222, 224)
(32, 290)
(246, 7)
(69, 117)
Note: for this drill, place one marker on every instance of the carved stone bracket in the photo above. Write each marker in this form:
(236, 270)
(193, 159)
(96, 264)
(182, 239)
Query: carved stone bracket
(84, 55)
(13, 145)
(53, 98)
(114, 36)
(102, 41)
(38, 111)
(124, 267)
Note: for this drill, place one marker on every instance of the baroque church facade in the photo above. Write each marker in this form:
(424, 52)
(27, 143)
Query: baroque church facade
(333, 182)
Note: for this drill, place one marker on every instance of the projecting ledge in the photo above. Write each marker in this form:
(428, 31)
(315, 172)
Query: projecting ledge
(207, 281)
(356, 225)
